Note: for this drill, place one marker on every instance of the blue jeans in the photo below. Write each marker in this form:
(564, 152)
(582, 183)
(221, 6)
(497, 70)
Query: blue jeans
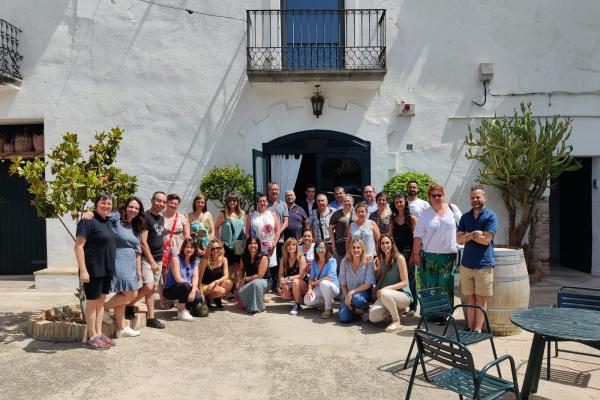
(359, 300)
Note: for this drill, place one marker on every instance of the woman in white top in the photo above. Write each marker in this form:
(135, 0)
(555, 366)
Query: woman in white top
(435, 234)
(363, 229)
(264, 225)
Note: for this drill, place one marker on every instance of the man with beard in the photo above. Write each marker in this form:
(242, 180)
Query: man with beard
(476, 231)
(416, 205)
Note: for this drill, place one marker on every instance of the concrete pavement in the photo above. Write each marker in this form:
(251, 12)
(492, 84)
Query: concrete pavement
(233, 355)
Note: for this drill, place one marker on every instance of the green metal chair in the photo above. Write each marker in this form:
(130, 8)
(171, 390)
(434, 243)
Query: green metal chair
(462, 377)
(575, 297)
(435, 302)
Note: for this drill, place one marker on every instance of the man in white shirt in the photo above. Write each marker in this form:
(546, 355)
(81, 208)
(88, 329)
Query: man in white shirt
(416, 205)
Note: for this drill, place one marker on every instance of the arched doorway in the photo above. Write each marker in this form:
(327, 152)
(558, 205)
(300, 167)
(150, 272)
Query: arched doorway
(329, 159)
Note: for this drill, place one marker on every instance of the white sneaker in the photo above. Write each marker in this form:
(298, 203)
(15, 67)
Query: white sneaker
(184, 315)
(128, 332)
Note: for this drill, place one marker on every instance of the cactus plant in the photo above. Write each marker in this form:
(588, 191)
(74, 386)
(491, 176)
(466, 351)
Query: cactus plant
(520, 156)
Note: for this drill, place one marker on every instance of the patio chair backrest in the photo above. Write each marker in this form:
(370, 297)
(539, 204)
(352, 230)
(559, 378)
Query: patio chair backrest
(578, 297)
(444, 350)
(434, 300)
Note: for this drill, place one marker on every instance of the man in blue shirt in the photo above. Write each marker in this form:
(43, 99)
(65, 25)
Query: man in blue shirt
(476, 231)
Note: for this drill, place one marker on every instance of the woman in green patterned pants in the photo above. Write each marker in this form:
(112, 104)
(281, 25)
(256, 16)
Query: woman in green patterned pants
(435, 235)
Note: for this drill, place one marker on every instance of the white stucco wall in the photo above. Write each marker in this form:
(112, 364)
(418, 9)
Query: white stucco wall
(177, 84)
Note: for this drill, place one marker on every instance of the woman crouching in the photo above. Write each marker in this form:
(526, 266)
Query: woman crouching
(391, 293)
(255, 279)
(181, 283)
(214, 273)
(292, 275)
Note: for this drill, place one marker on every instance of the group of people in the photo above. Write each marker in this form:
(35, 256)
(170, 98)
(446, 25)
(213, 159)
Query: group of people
(311, 254)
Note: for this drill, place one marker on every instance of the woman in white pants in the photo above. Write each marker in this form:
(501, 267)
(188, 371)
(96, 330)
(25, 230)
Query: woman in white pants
(391, 292)
(323, 285)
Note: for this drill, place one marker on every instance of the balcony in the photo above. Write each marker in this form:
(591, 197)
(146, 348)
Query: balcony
(10, 59)
(316, 45)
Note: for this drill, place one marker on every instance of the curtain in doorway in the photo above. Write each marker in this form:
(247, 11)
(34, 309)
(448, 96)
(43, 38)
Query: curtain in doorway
(284, 170)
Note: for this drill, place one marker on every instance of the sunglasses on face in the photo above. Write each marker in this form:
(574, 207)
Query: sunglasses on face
(436, 195)
(320, 248)
(215, 248)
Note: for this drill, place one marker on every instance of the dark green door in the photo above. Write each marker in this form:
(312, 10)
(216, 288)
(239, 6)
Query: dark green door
(22, 232)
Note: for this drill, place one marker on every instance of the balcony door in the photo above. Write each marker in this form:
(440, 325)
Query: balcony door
(313, 34)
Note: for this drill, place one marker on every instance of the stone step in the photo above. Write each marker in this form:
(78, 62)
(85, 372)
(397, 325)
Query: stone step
(66, 278)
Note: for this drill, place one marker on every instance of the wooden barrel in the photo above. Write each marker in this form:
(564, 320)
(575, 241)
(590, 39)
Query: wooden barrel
(511, 290)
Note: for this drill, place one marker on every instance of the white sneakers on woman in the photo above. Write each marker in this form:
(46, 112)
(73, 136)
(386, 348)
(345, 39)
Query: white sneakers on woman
(184, 315)
(127, 332)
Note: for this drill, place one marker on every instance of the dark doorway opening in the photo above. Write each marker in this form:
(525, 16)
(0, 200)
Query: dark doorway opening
(571, 218)
(22, 232)
(329, 159)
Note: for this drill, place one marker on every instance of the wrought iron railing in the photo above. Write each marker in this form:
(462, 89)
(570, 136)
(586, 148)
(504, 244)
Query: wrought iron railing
(289, 40)
(10, 59)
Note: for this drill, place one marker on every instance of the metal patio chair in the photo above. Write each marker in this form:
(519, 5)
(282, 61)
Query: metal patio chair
(462, 377)
(575, 297)
(435, 302)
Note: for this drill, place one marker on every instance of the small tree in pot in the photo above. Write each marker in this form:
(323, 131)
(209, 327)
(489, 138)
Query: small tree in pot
(75, 181)
(520, 156)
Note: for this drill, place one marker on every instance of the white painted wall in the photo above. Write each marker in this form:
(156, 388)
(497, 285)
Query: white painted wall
(177, 84)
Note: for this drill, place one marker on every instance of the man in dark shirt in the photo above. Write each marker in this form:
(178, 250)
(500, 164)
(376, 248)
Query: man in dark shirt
(297, 218)
(152, 252)
(310, 202)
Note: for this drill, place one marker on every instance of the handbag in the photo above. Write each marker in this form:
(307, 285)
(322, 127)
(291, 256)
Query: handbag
(310, 296)
(168, 246)
(238, 244)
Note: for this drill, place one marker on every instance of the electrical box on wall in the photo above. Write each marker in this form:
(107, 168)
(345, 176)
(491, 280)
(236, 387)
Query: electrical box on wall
(404, 109)
(486, 72)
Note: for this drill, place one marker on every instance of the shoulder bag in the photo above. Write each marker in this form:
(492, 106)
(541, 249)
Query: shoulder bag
(168, 246)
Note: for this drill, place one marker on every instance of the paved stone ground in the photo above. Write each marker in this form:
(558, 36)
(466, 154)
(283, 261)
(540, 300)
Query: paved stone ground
(266, 356)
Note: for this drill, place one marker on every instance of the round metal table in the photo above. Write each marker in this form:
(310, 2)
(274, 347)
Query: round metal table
(570, 324)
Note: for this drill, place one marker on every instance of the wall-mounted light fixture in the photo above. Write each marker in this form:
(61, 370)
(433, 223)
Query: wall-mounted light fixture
(317, 102)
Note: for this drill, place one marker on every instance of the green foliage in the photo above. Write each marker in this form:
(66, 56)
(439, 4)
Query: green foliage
(220, 181)
(398, 183)
(75, 180)
(520, 155)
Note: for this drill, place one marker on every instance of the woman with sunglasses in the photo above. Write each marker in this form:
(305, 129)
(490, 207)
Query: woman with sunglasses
(182, 282)
(214, 274)
(229, 228)
(323, 286)
(435, 236)
(255, 277)
(357, 278)
(292, 275)
(391, 293)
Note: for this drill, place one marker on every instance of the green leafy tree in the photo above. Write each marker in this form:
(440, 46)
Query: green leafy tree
(75, 181)
(520, 156)
(221, 181)
(398, 183)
